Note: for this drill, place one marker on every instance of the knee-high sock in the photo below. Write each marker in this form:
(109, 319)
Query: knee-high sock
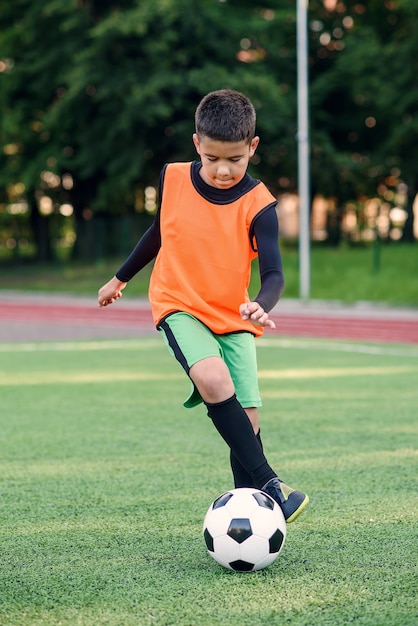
(241, 477)
(234, 426)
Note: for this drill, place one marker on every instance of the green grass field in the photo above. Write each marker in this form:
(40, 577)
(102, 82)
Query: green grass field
(387, 274)
(105, 481)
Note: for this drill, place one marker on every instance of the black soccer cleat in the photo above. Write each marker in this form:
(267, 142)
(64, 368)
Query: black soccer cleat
(291, 502)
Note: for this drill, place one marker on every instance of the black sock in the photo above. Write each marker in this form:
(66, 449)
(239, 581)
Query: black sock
(234, 426)
(241, 477)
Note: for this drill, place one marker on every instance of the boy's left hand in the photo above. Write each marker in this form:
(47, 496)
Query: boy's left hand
(256, 314)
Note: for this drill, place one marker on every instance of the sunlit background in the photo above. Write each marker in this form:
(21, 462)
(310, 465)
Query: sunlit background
(56, 192)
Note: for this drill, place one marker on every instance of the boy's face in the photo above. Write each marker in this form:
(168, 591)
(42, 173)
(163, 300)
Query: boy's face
(224, 163)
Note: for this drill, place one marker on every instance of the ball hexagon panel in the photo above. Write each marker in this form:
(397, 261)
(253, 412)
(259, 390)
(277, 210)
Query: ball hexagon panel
(242, 504)
(254, 549)
(217, 521)
(265, 522)
(225, 550)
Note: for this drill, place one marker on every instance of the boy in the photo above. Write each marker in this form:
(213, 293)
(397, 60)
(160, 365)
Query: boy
(213, 219)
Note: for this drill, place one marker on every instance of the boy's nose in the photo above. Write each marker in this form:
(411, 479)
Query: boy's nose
(223, 169)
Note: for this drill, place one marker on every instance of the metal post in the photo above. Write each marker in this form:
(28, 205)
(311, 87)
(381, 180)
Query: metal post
(303, 149)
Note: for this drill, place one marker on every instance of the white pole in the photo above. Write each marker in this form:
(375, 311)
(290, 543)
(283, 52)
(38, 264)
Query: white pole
(303, 149)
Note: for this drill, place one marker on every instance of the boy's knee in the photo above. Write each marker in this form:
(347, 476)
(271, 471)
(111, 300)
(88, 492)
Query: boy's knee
(213, 380)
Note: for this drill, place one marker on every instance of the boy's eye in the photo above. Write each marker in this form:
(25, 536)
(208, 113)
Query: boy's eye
(213, 159)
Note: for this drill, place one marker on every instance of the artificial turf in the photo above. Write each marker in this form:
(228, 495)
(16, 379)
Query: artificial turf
(105, 481)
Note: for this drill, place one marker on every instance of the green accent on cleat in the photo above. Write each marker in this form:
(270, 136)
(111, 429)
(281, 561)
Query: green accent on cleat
(291, 501)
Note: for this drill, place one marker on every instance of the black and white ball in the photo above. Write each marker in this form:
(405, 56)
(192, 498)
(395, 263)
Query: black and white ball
(244, 529)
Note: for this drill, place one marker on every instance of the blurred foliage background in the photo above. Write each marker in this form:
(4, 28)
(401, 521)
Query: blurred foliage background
(96, 95)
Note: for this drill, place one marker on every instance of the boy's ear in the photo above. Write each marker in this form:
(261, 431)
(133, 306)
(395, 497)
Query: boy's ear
(253, 145)
(196, 142)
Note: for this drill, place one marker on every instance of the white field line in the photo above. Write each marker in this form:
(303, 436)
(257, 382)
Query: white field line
(82, 346)
(335, 346)
(145, 343)
(70, 377)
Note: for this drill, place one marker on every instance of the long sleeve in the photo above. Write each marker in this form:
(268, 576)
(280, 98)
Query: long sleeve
(145, 251)
(266, 232)
(147, 247)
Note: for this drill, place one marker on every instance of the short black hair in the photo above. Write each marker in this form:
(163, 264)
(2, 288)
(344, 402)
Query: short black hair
(226, 115)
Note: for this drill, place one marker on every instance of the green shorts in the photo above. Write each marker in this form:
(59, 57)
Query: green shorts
(190, 341)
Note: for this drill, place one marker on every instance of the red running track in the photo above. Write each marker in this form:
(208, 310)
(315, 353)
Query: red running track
(340, 325)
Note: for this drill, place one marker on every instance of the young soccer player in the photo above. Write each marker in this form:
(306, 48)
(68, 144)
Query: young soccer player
(213, 219)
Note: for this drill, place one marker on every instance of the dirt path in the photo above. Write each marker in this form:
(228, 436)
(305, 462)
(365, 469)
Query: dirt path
(41, 317)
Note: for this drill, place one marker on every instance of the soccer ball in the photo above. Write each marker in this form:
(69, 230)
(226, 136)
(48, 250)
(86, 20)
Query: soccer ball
(244, 529)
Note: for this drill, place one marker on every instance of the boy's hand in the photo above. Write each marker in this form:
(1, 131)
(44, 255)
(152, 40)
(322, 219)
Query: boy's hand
(110, 292)
(255, 313)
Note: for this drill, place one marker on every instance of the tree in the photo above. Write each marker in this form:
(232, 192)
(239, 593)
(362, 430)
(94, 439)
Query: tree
(364, 100)
(398, 103)
(106, 92)
(96, 95)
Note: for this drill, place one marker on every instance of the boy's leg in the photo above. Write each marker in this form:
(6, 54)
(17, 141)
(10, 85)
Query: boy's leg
(203, 356)
(228, 418)
(198, 352)
(241, 477)
(232, 423)
(240, 356)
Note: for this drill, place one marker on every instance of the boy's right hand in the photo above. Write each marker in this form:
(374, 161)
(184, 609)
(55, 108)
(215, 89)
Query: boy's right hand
(253, 312)
(110, 292)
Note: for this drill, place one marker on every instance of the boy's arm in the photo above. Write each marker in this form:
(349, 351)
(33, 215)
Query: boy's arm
(145, 251)
(266, 232)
